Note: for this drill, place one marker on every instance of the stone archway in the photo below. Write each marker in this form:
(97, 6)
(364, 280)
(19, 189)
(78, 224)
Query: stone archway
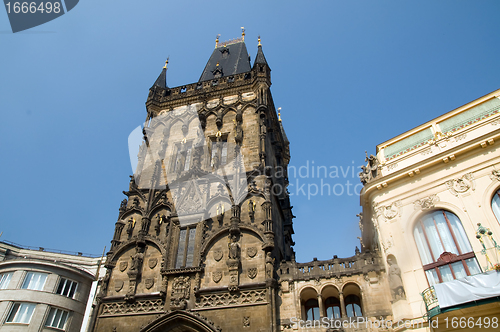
(181, 321)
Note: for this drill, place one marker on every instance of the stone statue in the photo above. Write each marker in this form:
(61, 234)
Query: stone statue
(234, 248)
(269, 265)
(137, 259)
(395, 282)
(123, 205)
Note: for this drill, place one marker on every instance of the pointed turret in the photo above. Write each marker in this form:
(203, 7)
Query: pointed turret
(161, 81)
(260, 58)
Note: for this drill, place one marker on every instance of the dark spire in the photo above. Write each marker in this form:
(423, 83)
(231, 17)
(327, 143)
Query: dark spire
(260, 58)
(161, 81)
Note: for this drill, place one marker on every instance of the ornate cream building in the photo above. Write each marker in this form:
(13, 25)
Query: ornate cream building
(431, 205)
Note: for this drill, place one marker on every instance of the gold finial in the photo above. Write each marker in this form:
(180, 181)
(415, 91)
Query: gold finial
(259, 42)
(279, 114)
(217, 65)
(243, 33)
(166, 63)
(217, 40)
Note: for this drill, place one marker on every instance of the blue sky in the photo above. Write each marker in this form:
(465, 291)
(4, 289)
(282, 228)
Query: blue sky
(347, 74)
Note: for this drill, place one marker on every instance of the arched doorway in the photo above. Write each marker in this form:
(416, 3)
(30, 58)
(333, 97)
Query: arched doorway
(180, 321)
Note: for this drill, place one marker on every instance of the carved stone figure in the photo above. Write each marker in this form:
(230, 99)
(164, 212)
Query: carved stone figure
(395, 282)
(137, 259)
(234, 248)
(369, 172)
(123, 205)
(130, 226)
(269, 265)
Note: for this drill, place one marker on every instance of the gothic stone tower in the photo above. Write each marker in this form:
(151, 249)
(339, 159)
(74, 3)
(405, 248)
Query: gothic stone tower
(207, 221)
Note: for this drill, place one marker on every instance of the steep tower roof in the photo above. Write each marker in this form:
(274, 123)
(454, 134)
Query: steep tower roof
(161, 81)
(228, 59)
(260, 58)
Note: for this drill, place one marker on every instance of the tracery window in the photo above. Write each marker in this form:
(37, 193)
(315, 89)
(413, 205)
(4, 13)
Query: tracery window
(495, 205)
(444, 248)
(185, 249)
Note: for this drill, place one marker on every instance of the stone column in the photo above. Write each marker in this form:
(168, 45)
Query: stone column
(303, 310)
(321, 306)
(342, 305)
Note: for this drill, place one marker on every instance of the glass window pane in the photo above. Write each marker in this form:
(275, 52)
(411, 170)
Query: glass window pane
(423, 248)
(445, 234)
(34, 281)
(432, 277)
(473, 266)
(433, 236)
(73, 289)
(459, 232)
(60, 287)
(349, 310)
(495, 205)
(5, 279)
(21, 313)
(190, 250)
(50, 317)
(13, 312)
(446, 273)
(459, 270)
(180, 249)
(357, 310)
(57, 318)
(316, 313)
(336, 312)
(67, 287)
(224, 152)
(62, 322)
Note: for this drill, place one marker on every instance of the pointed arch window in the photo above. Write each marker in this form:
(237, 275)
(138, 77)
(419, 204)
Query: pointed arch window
(495, 205)
(444, 248)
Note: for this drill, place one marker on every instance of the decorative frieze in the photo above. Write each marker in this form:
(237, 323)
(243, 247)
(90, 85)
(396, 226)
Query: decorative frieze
(139, 306)
(225, 299)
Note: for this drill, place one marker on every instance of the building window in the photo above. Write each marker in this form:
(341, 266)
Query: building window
(312, 309)
(444, 248)
(495, 205)
(5, 279)
(57, 318)
(67, 287)
(21, 313)
(332, 305)
(219, 153)
(353, 306)
(34, 281)
(185, 250)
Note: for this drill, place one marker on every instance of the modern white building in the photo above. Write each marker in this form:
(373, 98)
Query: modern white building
(45, 291)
